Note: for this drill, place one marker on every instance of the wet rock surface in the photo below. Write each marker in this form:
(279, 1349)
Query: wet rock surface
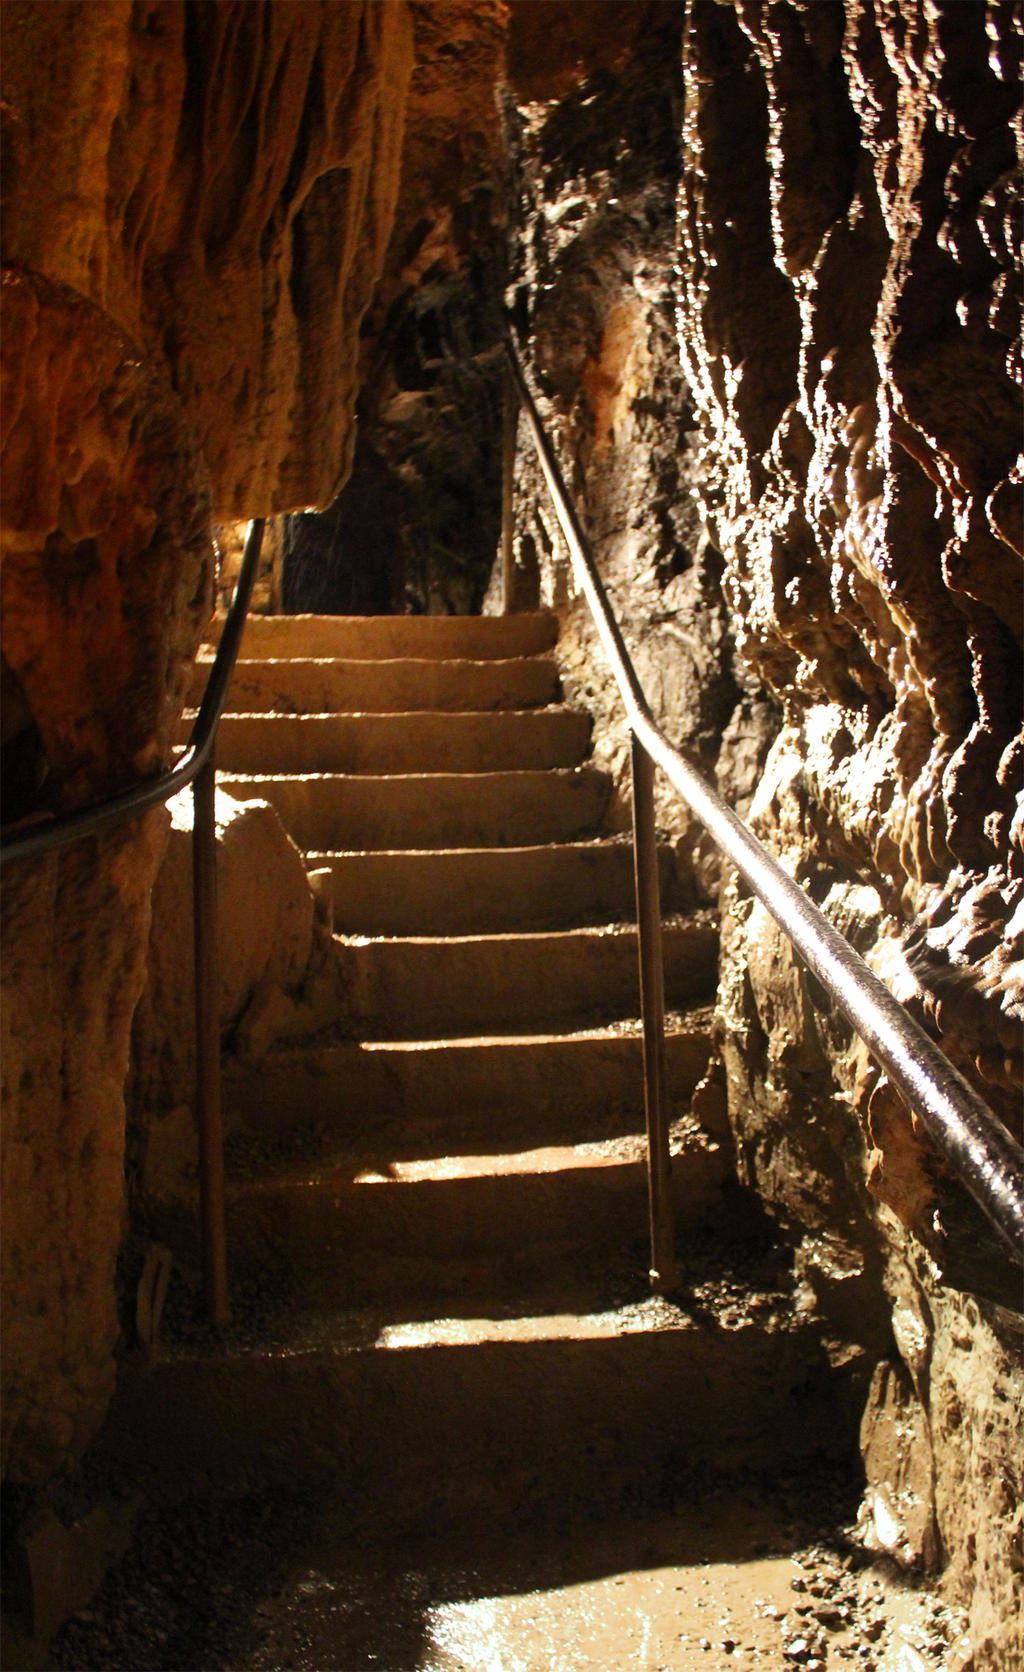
(722, 1573)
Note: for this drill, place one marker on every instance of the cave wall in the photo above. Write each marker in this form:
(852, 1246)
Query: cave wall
(598, 138)
(416, 524)
(768, 257)
(197, 202)
(769, 261)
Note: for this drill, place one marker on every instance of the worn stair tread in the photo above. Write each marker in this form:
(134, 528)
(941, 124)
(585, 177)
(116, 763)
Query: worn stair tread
(346, 1226)
(359, 1175)
(334, 1230)
(699, 926)
(467, 1402)
(360, 1168)
(505, 778)
(452, 890)
(320, 685)
(702, 924)
(353, 1334)
(452, 740)
(695, 1017)
(426, 986)
(323, 810)
(441, 636)
(732, 1275)
(471, 1090)
(692, 1022)
(729, 1269)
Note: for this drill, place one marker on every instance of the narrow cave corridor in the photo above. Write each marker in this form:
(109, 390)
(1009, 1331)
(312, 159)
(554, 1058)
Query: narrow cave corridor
(764, 264)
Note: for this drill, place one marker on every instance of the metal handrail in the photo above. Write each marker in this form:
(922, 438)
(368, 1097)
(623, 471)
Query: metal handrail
(197, 767)
(984, 1155)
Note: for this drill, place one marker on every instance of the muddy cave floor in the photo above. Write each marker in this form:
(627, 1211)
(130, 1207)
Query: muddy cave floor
(692, 1569)
(738, 1572)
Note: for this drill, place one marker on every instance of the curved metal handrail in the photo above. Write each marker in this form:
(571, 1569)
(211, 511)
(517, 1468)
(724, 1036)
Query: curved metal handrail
(197, 767)
(985, 1156)
(88, 821)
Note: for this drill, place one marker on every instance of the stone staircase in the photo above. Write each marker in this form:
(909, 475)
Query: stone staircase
(436, 1202)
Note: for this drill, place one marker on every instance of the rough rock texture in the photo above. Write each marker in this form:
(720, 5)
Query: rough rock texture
(599, 156)
(847, 227)
(845, 580)
(220, 179)
(198, 198)
(769, 258)
(417, 523)
(265, 929)
(104, 579)
(74, 934)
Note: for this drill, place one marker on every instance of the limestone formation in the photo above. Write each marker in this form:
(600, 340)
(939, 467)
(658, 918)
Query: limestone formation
(197, 204)
(221, 181)
(265, 929)
(417, 523)
(767, 257)
(811, 530)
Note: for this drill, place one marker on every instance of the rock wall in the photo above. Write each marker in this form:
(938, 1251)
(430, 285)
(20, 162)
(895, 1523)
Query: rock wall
(417, 523)
(198, 198)
(599, 120)
(767, 255)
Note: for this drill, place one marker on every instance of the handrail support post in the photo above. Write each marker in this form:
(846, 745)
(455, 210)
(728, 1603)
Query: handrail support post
(208, 1073)
(652, 1010)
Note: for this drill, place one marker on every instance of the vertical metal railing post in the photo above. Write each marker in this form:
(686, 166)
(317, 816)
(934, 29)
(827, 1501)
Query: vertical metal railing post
(652, 1010)
(208, 1086)
(510, 425)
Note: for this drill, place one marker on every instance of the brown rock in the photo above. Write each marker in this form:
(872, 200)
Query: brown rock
(845, 240)
(107, 574)
(197, 204)
(264, 930)
(898, 1464)
(220, 180)
(74, 932)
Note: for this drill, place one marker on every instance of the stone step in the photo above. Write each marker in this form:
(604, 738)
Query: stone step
(499, 741)
(332, 811)
(364, 637)
(322, 686)
(487, 1417)
(462, 1229)
(331, 1232)
(485, 890)
(428, 987)
(438, 1097)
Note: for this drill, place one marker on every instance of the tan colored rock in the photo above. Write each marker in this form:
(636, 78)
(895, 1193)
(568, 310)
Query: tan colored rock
(105, 581)
(264, 927)
(197, 204)
(974, 1406)
(74, 931)
(846, 239)
(845, 246)
(219, 180)
(107, 572)
(898, 1464)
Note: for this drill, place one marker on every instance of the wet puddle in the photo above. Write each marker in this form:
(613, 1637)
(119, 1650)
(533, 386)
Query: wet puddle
(572, 1604)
